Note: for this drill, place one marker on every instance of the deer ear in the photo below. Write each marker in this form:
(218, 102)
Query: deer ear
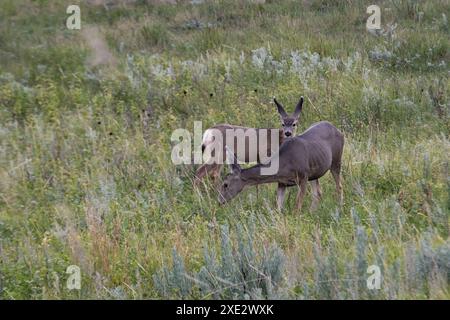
(232, 161)
(298, 108)
(280, 108)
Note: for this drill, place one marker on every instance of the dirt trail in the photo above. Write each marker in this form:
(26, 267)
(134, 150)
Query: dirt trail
(100, 53)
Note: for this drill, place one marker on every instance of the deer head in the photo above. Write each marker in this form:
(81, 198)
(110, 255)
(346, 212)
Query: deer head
(233, 183)
(289, 122)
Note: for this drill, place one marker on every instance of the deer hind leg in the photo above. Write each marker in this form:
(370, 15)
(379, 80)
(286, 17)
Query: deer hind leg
(201, 172)
(281, 192)
(316, 194)
(204, 170)
(216, 173)
(336, 172)
(301, 193)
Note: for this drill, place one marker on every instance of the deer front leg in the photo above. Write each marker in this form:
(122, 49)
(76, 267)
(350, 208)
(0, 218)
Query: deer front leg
(301, 193)
(316, 194)
(281, 191)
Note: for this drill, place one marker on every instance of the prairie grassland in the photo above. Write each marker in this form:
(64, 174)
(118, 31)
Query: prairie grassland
(86, 176)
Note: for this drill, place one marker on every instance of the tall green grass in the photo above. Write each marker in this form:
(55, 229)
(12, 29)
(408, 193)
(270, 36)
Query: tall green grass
(86, 176)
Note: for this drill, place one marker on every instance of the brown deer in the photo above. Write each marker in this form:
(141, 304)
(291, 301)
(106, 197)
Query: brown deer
(306, 157)
(289, 125)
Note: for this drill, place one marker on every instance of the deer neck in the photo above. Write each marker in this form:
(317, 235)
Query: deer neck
(253, 176)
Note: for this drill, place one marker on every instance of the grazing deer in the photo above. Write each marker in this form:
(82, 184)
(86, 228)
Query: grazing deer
(289, 126)
(306, 157)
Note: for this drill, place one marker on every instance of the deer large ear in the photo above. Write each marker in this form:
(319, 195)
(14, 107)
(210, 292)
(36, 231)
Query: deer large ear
(298, 108)
(232, 161)
(280, 108)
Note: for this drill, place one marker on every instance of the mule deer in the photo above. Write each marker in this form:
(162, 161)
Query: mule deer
(306, 157)
(289, 125)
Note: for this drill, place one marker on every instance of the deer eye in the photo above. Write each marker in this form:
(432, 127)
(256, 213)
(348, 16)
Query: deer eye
(282, 124)
(294, 125)
(225, 185)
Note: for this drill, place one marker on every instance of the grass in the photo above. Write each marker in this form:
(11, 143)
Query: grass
(86, 177)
